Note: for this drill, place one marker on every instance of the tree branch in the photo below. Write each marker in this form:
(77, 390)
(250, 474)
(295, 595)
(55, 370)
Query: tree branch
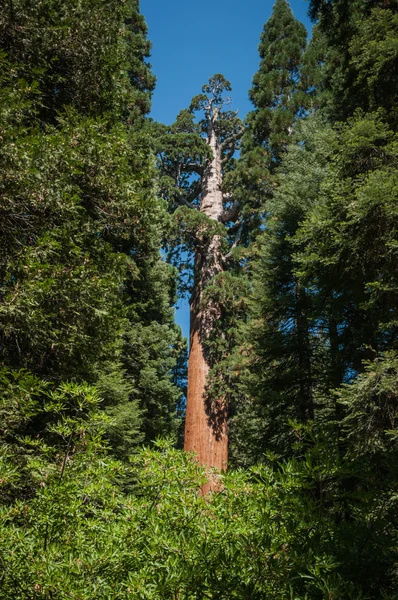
(228, 156)
(192, 168)
(231, 214)
(232, 138)
(195, 191)
(235, 243)
(184, 202)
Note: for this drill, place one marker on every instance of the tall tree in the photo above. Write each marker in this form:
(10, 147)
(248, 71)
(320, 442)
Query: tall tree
(279, 100)
(359, 67)
(205, 149)
(329, 235)
(276, 84)
(281, 363)
(81, 272)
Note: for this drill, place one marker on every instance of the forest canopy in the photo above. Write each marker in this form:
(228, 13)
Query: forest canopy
(265, 464)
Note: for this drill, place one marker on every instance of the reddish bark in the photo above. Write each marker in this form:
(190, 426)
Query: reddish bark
(206, 419)
(206, 422)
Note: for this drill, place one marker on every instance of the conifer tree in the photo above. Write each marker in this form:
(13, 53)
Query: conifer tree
(85, 295)
(284, 346)
(360, 63)
(205, 149)
(279, 98)
(276, 84)
(321, 236)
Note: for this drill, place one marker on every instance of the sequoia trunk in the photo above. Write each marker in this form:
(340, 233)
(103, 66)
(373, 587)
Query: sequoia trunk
(206, 418)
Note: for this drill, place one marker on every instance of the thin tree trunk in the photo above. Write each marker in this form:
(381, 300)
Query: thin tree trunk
(206, 418)
(304, 355)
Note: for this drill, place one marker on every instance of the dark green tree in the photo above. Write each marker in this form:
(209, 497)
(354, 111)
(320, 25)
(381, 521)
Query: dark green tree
(348, 240)
(90, 55)
(276, 84)
(283, 355)
(360, 63)
(279, 97)
(343, 309)
(81, 273)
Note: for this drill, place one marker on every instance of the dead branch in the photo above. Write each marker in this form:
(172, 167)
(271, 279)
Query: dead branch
(232, 139)
(231, 214)
(235, 243)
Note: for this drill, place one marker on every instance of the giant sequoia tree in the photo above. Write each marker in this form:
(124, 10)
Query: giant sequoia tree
(88, 348)
(194, 158)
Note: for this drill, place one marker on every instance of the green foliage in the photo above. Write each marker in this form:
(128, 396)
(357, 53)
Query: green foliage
(81, 225)
(116, 388)
(180, 148)
(90, 55)
(279, 97)
(352, 231)
(325, 266)
(68, 419)
(270, 532)
(228, 291)
(279, 347)
(150, 356)
(374, 53)
(371, 411)
(303, 348)
(274, 91)
(359, 59)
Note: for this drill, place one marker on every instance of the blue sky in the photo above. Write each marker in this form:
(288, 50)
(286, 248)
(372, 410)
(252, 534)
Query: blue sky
(194, 40)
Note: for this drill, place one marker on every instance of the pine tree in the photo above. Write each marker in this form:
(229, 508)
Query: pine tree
(329, 235)
(283, 346)
(279, 100)
(276, 84)
(348, 240)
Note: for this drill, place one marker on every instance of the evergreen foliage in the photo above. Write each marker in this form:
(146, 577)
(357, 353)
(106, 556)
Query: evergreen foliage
(359, 61)
(315, 320)
(81, 271)
(276, 84)
(89, 54)
(183, 158)
(285, 336)
(303, 348)
(279, 97)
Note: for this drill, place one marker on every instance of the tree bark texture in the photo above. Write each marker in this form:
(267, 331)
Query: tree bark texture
(206, 419)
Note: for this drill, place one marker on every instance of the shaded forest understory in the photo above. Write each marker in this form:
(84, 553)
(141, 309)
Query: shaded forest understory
(283, 231)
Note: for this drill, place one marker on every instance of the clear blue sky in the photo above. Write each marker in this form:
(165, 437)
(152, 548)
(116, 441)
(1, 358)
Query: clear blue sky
(194, 40)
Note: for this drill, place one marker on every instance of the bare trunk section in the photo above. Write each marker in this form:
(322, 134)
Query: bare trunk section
(206, 422)
(206, 419)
